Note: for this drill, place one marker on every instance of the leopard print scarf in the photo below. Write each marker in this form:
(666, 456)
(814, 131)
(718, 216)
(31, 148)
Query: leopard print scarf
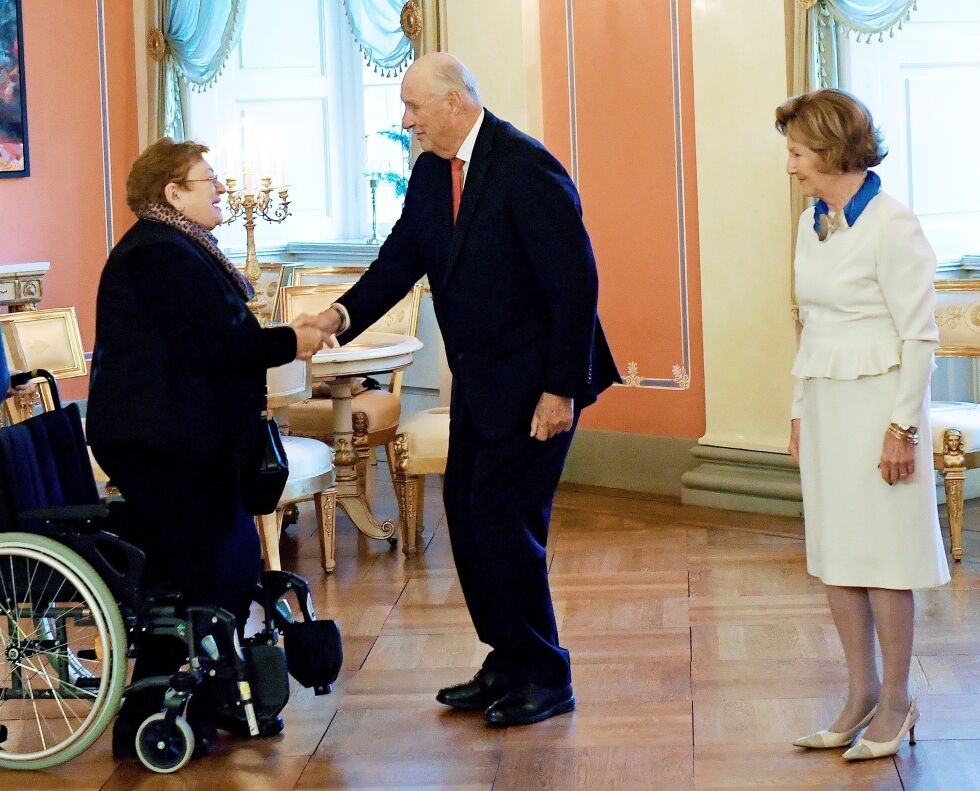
(168, 215)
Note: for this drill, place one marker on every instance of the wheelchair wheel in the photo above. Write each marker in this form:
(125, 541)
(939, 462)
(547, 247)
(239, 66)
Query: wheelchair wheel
(62, 653)
(164, 747)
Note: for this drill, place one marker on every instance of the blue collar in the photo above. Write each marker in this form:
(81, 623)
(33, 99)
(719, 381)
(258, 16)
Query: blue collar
(854, 207)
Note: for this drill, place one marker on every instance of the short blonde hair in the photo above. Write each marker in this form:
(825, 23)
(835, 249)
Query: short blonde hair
(161, 163)
(835, 125)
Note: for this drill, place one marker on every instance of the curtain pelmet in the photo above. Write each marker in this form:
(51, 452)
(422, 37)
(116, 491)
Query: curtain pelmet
(377, 29)
(199, 35)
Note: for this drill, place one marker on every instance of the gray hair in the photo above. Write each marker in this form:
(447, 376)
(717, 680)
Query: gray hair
(456, 77)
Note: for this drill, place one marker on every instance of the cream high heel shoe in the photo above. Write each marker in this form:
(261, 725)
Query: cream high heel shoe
(865, 750)
(825, 740)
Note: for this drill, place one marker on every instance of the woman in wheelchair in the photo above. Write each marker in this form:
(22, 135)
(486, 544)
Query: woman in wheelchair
(177, 389)
(72, 602)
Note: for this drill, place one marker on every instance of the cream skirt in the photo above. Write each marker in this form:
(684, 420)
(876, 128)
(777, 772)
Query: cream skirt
(860, 531)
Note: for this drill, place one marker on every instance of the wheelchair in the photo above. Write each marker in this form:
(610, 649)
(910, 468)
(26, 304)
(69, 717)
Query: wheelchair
(72, 613)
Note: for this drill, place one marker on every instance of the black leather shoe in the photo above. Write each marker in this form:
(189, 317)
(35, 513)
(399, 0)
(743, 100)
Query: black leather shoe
(530, 703)
(486, 687)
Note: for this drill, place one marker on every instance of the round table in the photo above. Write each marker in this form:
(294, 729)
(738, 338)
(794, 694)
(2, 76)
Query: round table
(369, 353)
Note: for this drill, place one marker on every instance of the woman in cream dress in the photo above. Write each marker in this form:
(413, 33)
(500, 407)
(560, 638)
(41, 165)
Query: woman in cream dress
(864, 284)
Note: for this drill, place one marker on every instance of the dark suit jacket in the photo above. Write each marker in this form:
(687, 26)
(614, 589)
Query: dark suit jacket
(180, 362)
(514, 283)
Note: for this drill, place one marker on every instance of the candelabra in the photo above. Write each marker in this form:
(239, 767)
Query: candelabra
(248, 203)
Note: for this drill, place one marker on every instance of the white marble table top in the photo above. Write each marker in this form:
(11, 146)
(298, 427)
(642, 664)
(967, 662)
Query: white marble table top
(371, 352)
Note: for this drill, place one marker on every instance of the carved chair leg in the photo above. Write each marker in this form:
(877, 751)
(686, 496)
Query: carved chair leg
(268, 527)
(326, 522)
(408, 505)
(953, 483)
(405, 490)
(419, 505)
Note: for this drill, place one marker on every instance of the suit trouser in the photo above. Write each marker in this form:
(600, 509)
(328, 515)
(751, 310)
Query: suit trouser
(498, 495)
(188, 518)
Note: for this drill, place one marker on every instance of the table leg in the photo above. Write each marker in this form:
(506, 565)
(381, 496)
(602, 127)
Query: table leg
(350, 495)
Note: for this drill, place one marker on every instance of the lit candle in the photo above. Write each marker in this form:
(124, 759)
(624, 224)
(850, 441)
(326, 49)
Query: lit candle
(231, 171)
(248, 177)
(280, 170)
(266, 171)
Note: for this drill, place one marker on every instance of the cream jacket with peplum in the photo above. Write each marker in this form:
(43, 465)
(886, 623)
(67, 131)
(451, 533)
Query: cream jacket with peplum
(867, 303)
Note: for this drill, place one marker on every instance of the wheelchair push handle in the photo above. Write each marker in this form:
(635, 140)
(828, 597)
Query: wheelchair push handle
(26, 377)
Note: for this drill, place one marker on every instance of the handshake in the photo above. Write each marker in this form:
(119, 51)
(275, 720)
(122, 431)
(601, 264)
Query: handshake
(315, 332)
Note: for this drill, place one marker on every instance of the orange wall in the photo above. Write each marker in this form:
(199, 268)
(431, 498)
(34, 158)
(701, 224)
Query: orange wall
(57, 213)
(627, 149)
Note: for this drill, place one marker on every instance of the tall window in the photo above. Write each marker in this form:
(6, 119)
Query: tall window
(922, 85)
(296, 97)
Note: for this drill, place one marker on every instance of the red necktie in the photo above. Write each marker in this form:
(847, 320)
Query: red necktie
(457, 165)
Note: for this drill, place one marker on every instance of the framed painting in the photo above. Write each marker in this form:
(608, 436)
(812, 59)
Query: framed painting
(14, 160)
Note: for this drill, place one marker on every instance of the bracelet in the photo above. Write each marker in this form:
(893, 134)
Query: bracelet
(910, 436)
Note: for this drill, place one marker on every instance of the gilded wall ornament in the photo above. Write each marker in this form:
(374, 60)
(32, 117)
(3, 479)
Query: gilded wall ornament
(681, 377)
(632, 378)
(806, 5)
(412, 19)
(156, 44)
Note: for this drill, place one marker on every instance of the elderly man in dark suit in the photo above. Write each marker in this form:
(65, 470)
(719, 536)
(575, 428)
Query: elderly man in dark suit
(495, 222)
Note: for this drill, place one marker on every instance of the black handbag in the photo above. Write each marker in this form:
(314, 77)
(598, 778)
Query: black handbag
(264, 475)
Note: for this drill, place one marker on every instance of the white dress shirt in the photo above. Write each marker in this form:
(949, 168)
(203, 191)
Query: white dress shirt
(466, 149)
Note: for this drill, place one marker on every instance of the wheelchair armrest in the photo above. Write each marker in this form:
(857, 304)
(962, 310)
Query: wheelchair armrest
(55, 514)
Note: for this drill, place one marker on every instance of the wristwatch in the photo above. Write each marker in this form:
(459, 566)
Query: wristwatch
(907, 429)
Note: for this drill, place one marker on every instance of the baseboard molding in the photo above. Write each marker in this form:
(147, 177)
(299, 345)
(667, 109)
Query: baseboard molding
(634, 462)
(743, 480)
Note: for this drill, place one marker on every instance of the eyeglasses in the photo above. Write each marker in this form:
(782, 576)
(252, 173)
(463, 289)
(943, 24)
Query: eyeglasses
(213, 179)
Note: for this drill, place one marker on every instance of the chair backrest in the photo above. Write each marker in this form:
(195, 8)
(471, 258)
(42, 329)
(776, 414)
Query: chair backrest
(272, 277)
(44, 462)
(325, 275)
(47, 339)
(402, 318)
(958, 318)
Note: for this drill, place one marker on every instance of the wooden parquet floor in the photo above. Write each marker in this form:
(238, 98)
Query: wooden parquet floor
(700, 650)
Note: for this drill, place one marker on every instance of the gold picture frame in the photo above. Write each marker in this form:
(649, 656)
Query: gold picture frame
(272, 277)
(47, 339)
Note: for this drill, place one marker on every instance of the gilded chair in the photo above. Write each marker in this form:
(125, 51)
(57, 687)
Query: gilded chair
(956, 424)
(421, 448)
(375, 413)
(48, 339)
(311, 470)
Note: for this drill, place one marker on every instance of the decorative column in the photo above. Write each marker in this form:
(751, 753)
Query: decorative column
(744, 219)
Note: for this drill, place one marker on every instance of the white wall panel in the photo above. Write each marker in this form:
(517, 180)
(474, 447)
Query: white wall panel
(268, 26)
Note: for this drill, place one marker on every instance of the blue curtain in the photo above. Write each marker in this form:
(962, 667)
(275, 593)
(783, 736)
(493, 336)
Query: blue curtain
(199, 36)
(869, 19)
(377, 28)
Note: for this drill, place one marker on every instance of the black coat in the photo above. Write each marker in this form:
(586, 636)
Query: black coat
(180, 362)
(514, 282)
